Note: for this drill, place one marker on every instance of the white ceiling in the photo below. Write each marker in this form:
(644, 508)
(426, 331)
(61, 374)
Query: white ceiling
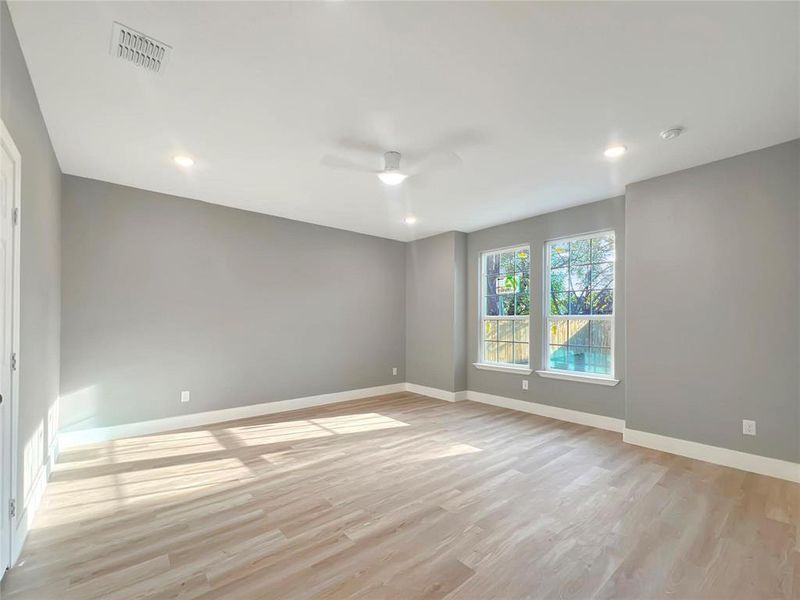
(528, 94)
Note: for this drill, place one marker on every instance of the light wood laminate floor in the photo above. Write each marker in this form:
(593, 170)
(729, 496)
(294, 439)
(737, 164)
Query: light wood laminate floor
(404, 497)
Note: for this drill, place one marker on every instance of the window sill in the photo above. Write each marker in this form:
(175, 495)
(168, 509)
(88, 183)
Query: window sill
(576, 377)
(503, 368)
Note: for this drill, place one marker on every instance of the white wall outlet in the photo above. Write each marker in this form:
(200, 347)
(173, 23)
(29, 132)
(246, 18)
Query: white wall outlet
(185, 396)
(394, 370)
(748, 427)
(524, 384)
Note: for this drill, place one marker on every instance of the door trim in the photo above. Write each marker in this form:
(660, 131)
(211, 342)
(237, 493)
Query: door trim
(8, 479)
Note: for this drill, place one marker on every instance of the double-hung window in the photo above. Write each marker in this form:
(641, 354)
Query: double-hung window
(505, 307)
(579, 305)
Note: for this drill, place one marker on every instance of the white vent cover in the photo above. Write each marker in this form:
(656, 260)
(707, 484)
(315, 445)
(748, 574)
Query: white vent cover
(137, 48)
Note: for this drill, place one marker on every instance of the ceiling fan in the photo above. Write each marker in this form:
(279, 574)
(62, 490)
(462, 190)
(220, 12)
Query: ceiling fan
(417, 164)
(392, 174)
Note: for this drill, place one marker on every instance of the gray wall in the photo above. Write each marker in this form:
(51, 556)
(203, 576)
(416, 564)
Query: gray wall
(592, 398)
(713, 303)
(39, 257)
(435, 315)
(163, 294)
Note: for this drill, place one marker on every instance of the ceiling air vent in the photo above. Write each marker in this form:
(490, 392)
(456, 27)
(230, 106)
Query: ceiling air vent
(143, 51)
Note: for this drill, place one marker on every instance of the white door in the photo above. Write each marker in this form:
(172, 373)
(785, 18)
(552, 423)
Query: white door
(9, 201)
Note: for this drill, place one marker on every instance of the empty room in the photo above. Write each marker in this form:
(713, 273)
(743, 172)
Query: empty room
(396, 300)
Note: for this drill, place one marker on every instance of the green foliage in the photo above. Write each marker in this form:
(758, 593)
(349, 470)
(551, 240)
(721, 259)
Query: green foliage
(582, 277)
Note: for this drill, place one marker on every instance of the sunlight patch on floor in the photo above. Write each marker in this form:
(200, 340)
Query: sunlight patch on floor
(288, 431)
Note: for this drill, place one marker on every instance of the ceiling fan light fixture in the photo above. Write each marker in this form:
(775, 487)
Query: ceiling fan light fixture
(183, 160)
(392, 177)
(615, 151)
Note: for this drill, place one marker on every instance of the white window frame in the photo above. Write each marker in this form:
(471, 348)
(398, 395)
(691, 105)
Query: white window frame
(565, 374)
(498, 366)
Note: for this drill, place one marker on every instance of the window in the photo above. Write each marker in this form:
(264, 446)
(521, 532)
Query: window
(505, 307)
(579, 306)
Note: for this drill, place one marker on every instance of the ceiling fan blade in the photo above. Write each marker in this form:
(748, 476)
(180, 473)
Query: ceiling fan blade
(339, 162)
(438, 161)
(454, 142)
(363, 146)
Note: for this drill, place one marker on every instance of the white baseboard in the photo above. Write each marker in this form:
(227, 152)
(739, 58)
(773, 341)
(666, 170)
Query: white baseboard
(722, 456)
(436, 393)
(763, 465)
(545, 410)
(33, 500)
(71, 439)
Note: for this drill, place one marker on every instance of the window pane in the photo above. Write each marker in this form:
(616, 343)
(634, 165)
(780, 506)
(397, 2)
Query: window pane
(578, 332)
(491, 306)
(523, 260)
(559, 303)
(523, 282)
(588, 360)
(490, 330)
(578, 303)
(558, 357)
(489, 284)
(523, 304)
(603, 248)
(521, 330)
(598, 361)
(577, 356)
(520, 354)
(559, 331)
(507, 262)
(507, 304)
(602, 303)
(505, 284)
(490, 351)
(579, 277)
(559, 255)
(580, 252)
(505, 352)
(559, 280)
(600, 334)
(505, 330)
(602, 276)
(492, 263)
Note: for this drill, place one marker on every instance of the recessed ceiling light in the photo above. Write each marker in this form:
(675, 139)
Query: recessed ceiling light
(615, 151)
(410, 220)
(669, 134)
(392, 177)
(183, 161)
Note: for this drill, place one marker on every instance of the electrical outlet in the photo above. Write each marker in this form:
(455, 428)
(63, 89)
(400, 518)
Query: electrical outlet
(185, 396)
(394, 370)
(524, 384)
(748, 427)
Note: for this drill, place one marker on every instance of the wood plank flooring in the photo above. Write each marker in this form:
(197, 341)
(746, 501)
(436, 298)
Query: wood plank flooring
(403, 496)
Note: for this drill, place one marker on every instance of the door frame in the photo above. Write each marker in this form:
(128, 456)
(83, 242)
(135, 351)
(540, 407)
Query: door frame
(8, 477)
